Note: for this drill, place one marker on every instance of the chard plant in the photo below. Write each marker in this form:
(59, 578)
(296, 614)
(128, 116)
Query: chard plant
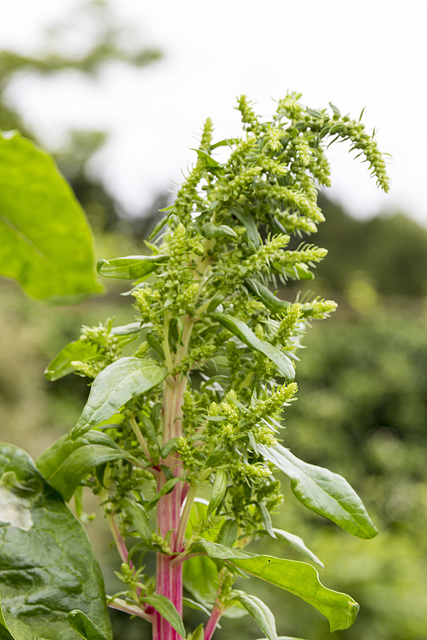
(181, 435)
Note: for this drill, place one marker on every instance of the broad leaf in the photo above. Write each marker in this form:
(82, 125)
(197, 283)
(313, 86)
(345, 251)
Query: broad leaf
(259, 612)
(47, 564)
(298, 578)
(67, 462)
(242, 331)
(266, 296)
(218, 491)
(84, 626)
(130, 267)
(323, 491)
(45, 240)
(167, 610)
(118, 383)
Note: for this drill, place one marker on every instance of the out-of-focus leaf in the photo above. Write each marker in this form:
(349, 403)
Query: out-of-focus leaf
(114, 386)
(323, 491)
(45, 241)
(84, 626)
(298, 578)
(167, 610)
(242, 331)
(188, 602)
(259, 612)
(67, 462)
(48, 567)
(130, 267)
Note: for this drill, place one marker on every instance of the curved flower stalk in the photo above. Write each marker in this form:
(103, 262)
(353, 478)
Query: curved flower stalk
(187, 400)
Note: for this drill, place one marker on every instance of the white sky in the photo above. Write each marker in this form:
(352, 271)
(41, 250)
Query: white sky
(369, 54)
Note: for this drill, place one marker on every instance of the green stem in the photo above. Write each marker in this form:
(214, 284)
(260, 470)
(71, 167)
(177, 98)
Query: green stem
(139, 437)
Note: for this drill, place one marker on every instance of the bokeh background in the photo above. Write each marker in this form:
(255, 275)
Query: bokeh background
(118, 92)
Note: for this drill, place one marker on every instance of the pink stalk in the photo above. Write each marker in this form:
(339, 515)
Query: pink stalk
(169, 575)
(212, 622)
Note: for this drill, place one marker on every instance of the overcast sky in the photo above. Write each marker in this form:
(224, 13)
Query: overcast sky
(369, 54)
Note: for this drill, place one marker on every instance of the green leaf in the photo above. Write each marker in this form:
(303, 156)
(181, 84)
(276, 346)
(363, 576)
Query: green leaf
(61, 365)
(67, 462)
(248, 221)
(167, 488)
(323, 491)
(266, 296)
(45, 241)
(298, 578)
(200, 577)
(167, 610)
(118, 383)
(210, 230)
(139, 518)
(297, 543)
(84, 626)
(130, 267)
(198, 633)
(188, 602)
(46, 559)
(259, 612)
(210, 162)
(242, 331)
(218, 491)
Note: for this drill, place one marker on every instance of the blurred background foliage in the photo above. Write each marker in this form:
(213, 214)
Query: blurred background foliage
(362, 408)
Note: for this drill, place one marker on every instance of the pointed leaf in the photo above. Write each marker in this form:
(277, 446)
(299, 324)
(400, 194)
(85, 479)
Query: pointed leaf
(323, 491)
(259, 612)
(130, 267)
(118, 383)
(46, 559)
(218, 491)
(242, 331)
(167, 610)
(188, 602)
(84, 626)
(45, 240)
(298, 578)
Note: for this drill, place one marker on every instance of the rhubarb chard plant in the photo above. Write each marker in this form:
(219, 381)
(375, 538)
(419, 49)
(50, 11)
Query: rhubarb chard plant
(181, 436)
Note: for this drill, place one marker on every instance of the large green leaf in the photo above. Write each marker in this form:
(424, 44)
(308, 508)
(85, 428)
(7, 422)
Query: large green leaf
(298, 578)
(46, 561)
(45, 240)
(130, 267)
(67, 462)
(259, 612)
(242, 331)
(296, 542)
(323, 491)
(114, 386)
